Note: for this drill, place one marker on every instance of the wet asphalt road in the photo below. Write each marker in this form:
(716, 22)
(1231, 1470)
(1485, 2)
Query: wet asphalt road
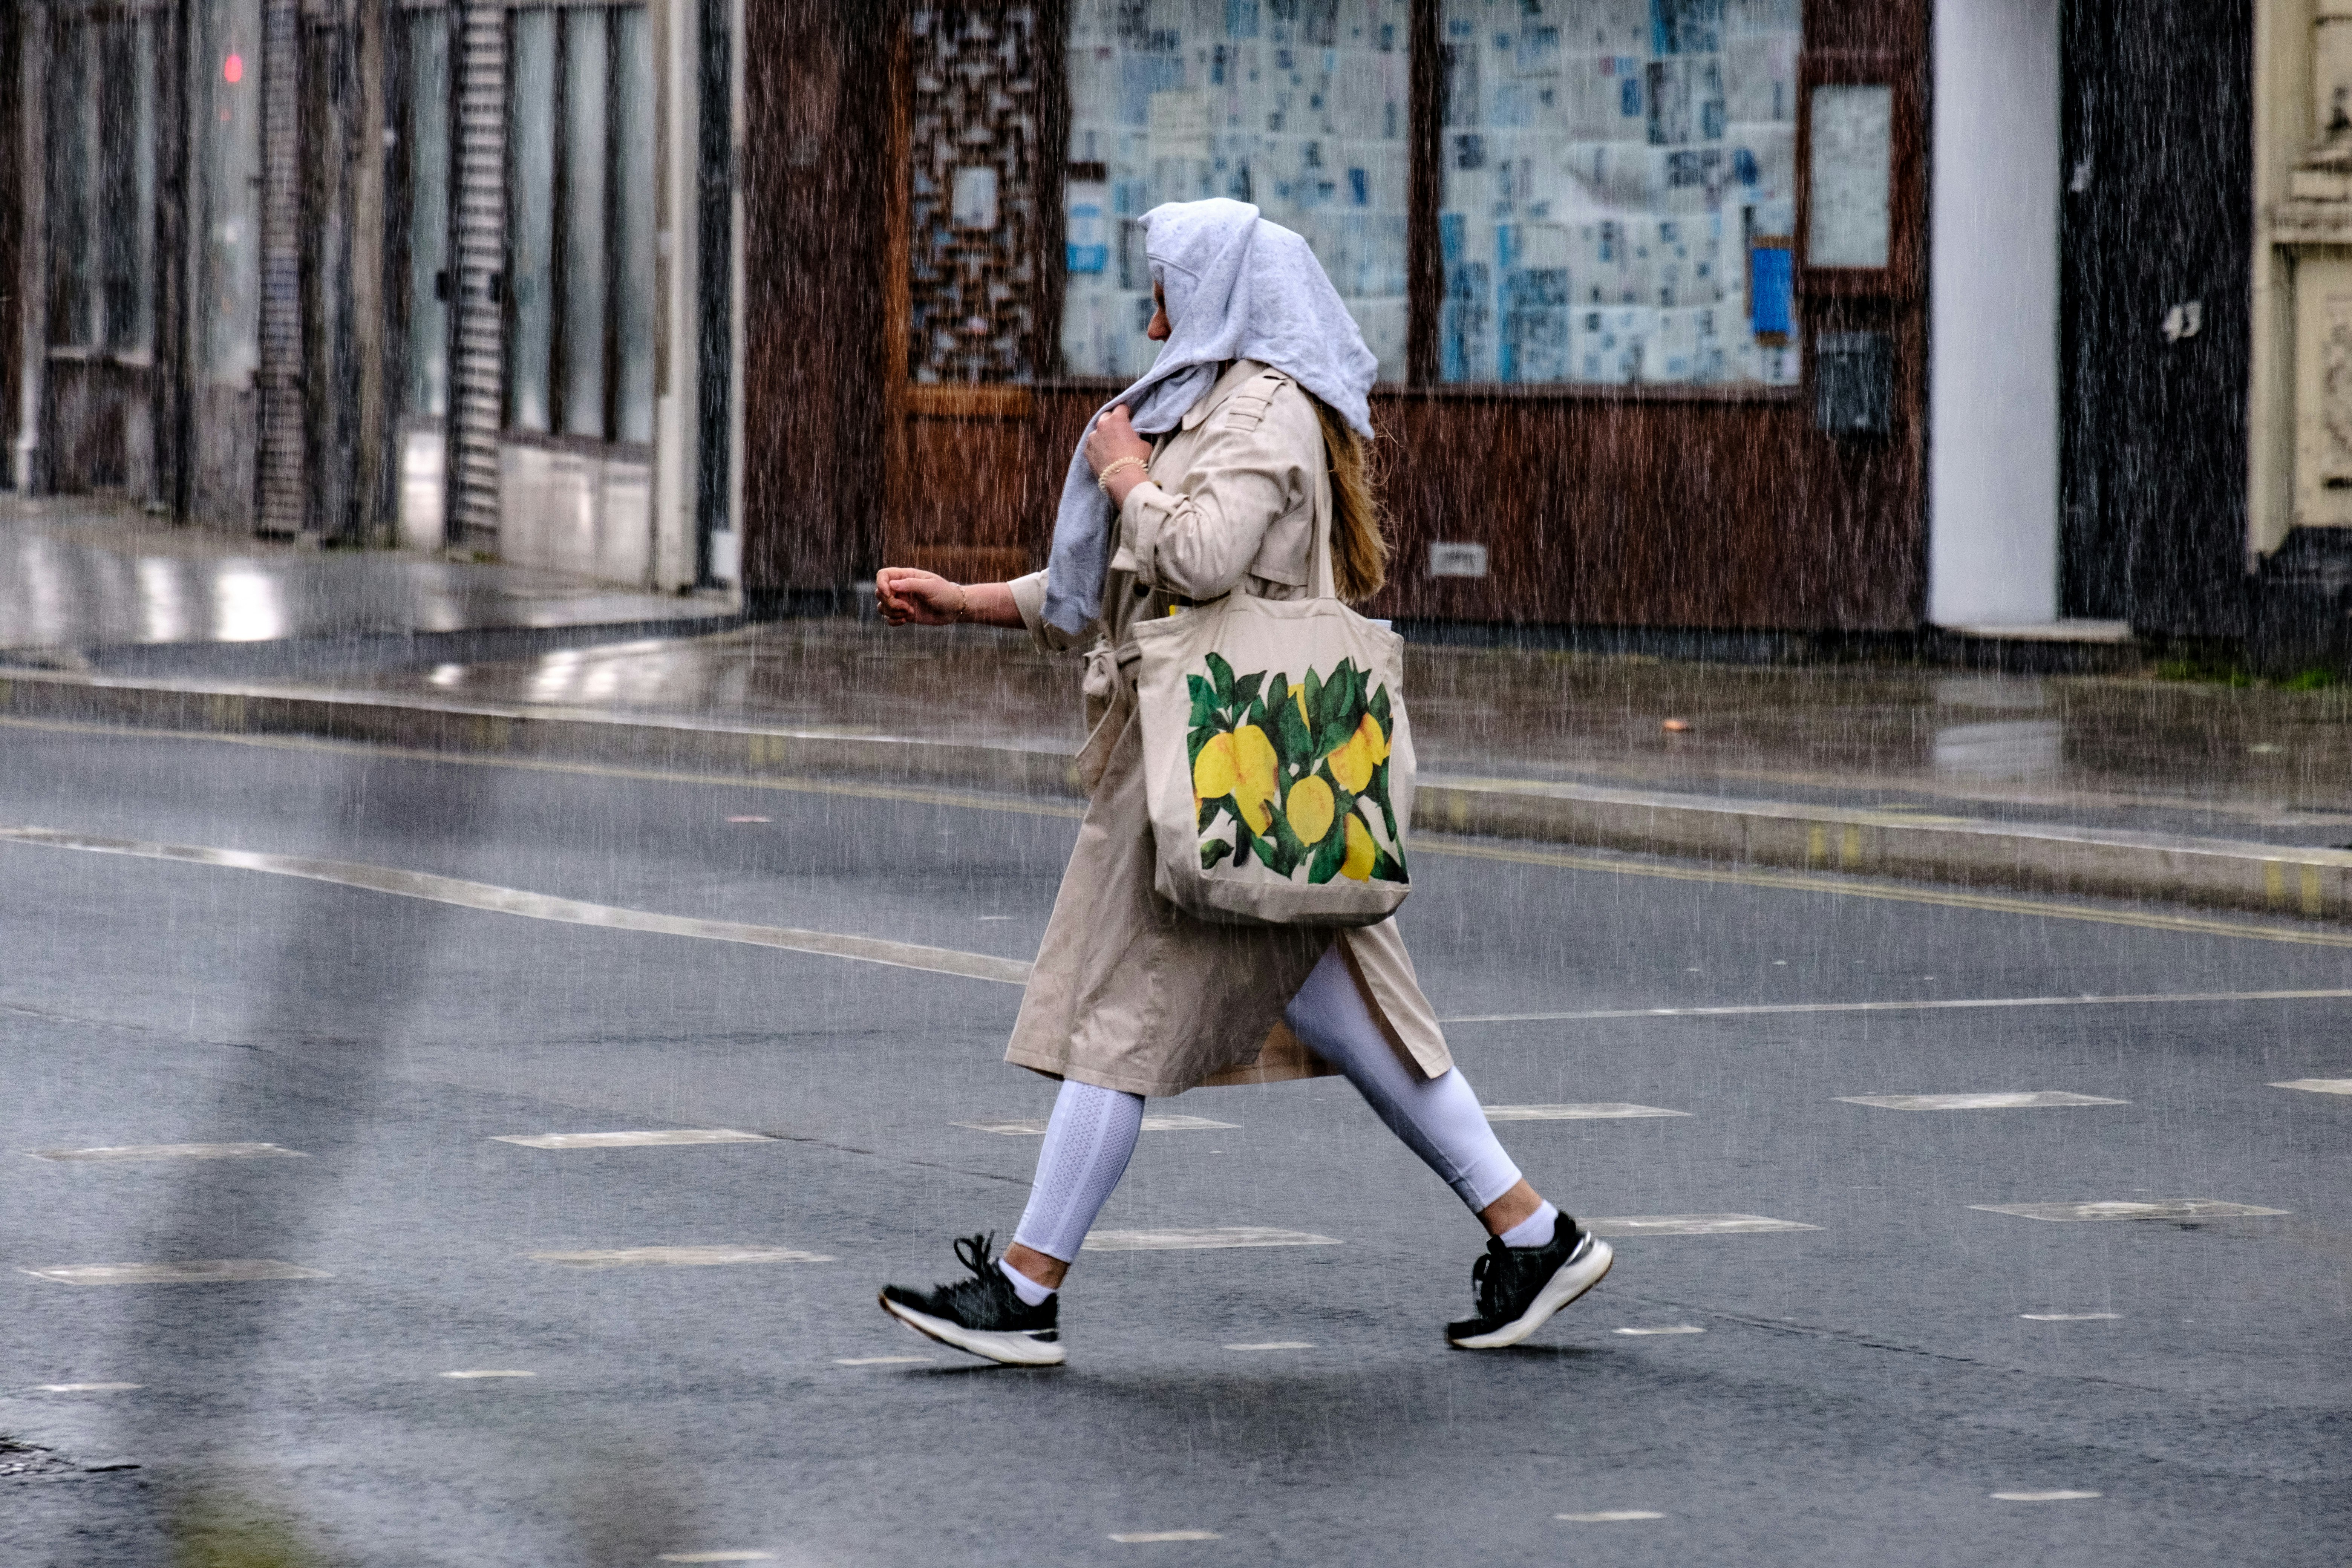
(1859, 1393)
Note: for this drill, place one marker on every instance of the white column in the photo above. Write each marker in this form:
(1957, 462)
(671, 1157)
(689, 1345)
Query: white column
(1992, 387)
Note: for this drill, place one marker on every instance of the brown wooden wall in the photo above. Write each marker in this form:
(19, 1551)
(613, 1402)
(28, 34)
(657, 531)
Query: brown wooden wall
(1709, 507)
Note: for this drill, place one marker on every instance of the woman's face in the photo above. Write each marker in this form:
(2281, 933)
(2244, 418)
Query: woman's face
(1159, 331)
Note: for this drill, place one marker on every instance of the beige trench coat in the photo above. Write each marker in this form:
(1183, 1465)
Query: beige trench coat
(1128, 992)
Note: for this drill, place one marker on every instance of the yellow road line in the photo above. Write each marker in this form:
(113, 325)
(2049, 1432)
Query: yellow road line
(1424, 843)
(540, 906)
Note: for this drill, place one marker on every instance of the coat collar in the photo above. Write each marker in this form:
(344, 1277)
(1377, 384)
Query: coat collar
(1236, 375)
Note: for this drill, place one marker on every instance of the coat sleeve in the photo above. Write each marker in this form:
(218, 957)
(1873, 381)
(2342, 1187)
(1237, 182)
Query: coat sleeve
(1196, 534)
(1029, 598)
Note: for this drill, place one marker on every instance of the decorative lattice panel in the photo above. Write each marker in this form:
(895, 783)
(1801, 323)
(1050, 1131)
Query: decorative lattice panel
(974, 228)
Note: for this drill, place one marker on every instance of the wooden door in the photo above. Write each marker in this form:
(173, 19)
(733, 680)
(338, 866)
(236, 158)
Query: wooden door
(974, 303)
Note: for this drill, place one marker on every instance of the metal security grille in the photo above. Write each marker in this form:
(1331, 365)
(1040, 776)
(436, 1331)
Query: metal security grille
(972, 273)
(279, 506)
(478, 241)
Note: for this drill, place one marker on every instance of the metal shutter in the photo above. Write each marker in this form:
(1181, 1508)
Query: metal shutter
(278, 467)
(478, 244)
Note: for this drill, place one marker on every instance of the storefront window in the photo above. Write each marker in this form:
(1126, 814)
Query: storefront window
(579, 225)
(227, 317)
(101, 182)
(1303, 107)
(424, 55)
(1619, 196)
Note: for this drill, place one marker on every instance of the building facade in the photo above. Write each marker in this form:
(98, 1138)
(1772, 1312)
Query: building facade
(1730, 316)
(437, 272)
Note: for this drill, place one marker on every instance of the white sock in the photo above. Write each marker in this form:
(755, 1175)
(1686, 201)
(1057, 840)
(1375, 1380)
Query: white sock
(1032, 1294)
(1536, 1230)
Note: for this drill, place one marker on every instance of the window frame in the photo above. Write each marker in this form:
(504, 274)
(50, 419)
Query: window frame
(1424, 266)
(561, 347)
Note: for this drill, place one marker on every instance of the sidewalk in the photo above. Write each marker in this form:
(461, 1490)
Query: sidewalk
(2124, 786)
(95, 585)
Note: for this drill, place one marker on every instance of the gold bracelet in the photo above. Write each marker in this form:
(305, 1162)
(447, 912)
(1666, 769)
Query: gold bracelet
(1102, 480)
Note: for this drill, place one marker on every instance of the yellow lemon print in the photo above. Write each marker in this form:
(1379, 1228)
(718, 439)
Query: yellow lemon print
(1254, 767)
(1310, 809)
(1298, 695)
(1359, 863)
(1213, 770)
(1354, 761)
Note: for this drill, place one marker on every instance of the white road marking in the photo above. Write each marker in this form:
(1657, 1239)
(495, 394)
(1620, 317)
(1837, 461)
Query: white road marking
(1139, 1538)
(751, 820)
(2046, 1497)
(1601, 1110)
(488, 1373)
(211, 1272)
(2170, 1208)
(878, 1360)
(716, 1557)
(1976, 1101)
(1767, 1009)
(1150, 1124)
(1611, 1516)
(1275, 1346)
(677, 1256)
(2318, 1084)
(541, 906)
(1688, 1225)
(1669, 1328)
(2071, 1317)
(1201, 1240)
(172, 1151)
(87, 1387)
(631, 1140)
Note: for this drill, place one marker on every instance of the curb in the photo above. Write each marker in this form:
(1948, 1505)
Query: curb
(2214, 873)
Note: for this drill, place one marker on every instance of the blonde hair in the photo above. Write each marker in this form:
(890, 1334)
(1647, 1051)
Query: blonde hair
(1359, 545)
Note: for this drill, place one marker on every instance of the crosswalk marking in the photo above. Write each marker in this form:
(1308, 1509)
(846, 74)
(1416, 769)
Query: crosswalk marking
(1669, 1329)
(630, 1140)
(2170, 1208)
(207, 1271)
(1976, 1101)
(130, 1152)
(1202, 1240)
(1036, 1129)
(1688, 1225)
(1599, 1110)
(2318, 1084)
(676, 1256)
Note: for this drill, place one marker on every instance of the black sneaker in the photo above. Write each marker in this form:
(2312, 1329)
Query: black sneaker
(983, 1314)
(1520, 1287)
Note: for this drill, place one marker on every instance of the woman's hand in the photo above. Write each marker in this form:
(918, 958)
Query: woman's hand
(903, 594)
(1114, 437)
(1114, 440)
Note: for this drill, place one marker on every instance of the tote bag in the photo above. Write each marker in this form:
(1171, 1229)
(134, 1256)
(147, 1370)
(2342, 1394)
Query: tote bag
(1277, 758)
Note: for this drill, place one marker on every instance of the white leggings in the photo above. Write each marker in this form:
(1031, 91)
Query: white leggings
(1093, 1129)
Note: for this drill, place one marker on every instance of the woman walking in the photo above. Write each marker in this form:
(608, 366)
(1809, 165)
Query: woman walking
(1259, 485)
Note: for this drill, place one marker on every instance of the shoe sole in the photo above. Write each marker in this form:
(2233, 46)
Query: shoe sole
(1004, 1346)
(1569, 1280)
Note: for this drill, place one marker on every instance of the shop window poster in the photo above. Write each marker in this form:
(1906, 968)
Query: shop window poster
(1303, 107)
(1612, 170)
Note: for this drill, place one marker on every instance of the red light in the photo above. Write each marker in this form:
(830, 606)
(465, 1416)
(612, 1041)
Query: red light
(233, 69)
